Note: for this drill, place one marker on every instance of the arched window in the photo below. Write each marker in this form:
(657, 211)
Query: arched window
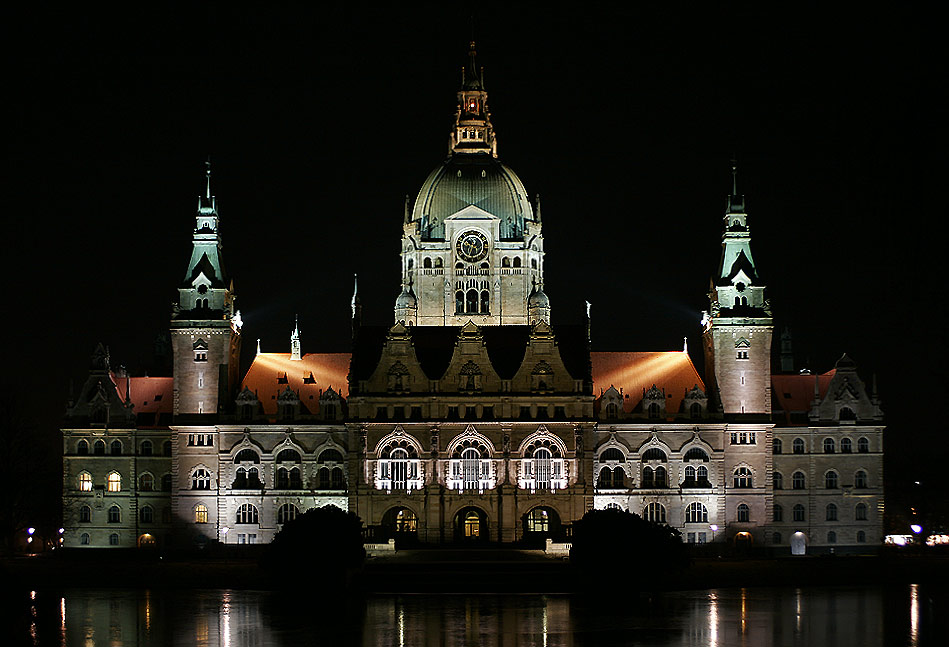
(831, 537)
(830, 512)
(605, 481)
(744, 513)
(330, 456)
(336, 479)
(619, 477)
(411, 263)
(427, 262)
(146, 482)
(85, 514)
(485, 302)
(695, 454)
(612, 454)
(399, 469)
(471, 301)
(860, 479)
(323, 478)
(611, 411)
(85, 482)
(114, 482)
(200, 513)
(653, 410)
(846, 446)
(846, 413)
(517, 261)
(533, 263)
(247, 514)
(659, 479)
(166, 448)
(146, 448)
(776, 538)
(283, 478)
(798, 512)
(288, 511)
(438, 262)
(82, 448)
(459, 302)
(829, 446)
(654, 512)
(777, 512)
(830, 480)
(146, 515)
(115, 448)
(289, 456)
(247, 455)
(200, 479)
(861, 537)
(798, 445)
(778, 479)
(701, 476)
(696, 513)
(689, 477)
(647, 480)
(166, 482)
(743, 478)
(114, 539)
(860, 512)
(695, 410)
(863, 446)
(538, 520)
(654, 454)
(505, 262)
(797, 480)
(115, 514)
(777, 445)
(84, 539)
(470, 468)
(99, 448)
(542, 468)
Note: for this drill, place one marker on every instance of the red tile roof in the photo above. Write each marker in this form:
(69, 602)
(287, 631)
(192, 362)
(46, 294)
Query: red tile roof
(795, 393)
(632, 372)
(271, 373)
(152, 398)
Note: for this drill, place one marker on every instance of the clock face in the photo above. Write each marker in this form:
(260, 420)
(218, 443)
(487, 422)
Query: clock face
(472, 246)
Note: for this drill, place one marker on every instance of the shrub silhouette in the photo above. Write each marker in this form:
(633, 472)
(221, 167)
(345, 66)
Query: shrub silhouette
(328, 534)
(614, 538)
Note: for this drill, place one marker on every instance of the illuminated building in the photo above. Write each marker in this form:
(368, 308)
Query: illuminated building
(475, 416)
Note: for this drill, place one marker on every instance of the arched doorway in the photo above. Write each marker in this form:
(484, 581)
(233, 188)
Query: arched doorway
(540, 523)
(798, 543)
(743, 542)
(147, 541)
(471, 525)
(400, 524)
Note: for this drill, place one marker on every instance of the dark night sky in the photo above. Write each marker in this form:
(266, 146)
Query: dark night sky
(320, 120)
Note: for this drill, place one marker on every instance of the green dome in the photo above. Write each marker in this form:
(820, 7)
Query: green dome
(472, 179)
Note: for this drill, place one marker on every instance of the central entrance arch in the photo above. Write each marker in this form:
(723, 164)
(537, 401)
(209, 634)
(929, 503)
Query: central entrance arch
(471, 525)
(541, 522)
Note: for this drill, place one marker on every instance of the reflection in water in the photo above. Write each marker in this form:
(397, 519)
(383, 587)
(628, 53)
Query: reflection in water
(782, 616)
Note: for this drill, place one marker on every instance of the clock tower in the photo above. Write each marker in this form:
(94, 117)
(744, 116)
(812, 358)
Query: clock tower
(472, 245)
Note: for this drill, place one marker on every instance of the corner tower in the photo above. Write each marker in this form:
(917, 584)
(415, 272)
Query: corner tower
(738, 326)
(472, 246)
(205, 328)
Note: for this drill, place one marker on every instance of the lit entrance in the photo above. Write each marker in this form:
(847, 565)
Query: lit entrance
(541, 522)
(471, 525)
(743, 541)
(798, 543)
(146, 541)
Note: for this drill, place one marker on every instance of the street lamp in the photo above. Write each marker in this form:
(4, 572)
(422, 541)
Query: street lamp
(916, 528)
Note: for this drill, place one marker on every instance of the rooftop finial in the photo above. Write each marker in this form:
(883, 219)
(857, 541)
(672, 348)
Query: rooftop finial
(685, 345)
(208, 173)
(734, 175)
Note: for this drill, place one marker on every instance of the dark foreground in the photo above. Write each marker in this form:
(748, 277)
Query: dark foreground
(462, 571)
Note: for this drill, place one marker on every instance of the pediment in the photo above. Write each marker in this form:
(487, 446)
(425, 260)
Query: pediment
(471, 212)
(741, 277)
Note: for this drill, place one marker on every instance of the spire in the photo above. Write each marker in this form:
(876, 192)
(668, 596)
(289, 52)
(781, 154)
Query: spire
(356, 305)
(685, 345)
(258, 346)
(208, 172)
(472, 132)
(736, 201)
(295, 353)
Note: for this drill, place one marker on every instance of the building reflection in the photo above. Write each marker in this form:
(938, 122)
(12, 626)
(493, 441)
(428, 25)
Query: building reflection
(834, 616)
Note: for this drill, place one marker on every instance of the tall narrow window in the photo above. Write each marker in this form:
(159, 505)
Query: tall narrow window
(797, 480)
(485, 302)
(471, 302)
(830, 480)
(200, 513)
(399, 466)
(82, 448)
(542, 464)
(744, 513)
(470, 467)
(85, 482)
(655, 512)
(860, 480)
(459, 302)
(114, 482)
(115, 514)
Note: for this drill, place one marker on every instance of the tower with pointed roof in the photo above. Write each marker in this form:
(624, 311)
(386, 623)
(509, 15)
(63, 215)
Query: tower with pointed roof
(205, 328)
(738, 325)
(472, 247)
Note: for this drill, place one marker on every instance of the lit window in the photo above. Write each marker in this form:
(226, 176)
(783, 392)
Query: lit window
(114, 482)
(538, 520)
(115, 514)
(200, 513)
(85, 482)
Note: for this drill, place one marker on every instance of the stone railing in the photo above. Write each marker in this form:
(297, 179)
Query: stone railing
(376, 550)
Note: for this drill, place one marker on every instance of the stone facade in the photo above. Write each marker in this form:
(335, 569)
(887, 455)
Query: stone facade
(474, 417)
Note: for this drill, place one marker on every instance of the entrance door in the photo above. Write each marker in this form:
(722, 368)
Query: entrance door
(472, 525)
(798, 543)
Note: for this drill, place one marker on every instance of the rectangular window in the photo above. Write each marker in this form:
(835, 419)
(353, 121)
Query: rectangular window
(452, 413)
(701, 537)
(252, 538)
(416, 413)
(241, 539)
(691, 537)
(200, 380)
(487, 413)
(207, 441)
(200, 407)
(398, 413)
(382, 413)
(525, 413)
(190, 440)
(470, 413)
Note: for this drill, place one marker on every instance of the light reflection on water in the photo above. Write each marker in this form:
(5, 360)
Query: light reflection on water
(842, 616)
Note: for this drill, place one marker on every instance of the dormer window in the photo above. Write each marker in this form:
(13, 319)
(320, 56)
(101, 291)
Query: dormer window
(200, 355)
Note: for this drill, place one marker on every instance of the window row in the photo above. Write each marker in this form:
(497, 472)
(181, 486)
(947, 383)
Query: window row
(831, 480)
(656, 512)
(146, 514)
(285, 479)
(798, 512)
(653, 454)
(113, 482)
(146, 448)
(613, 478)
(288, 455)
(86, 540)
(798, 446)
